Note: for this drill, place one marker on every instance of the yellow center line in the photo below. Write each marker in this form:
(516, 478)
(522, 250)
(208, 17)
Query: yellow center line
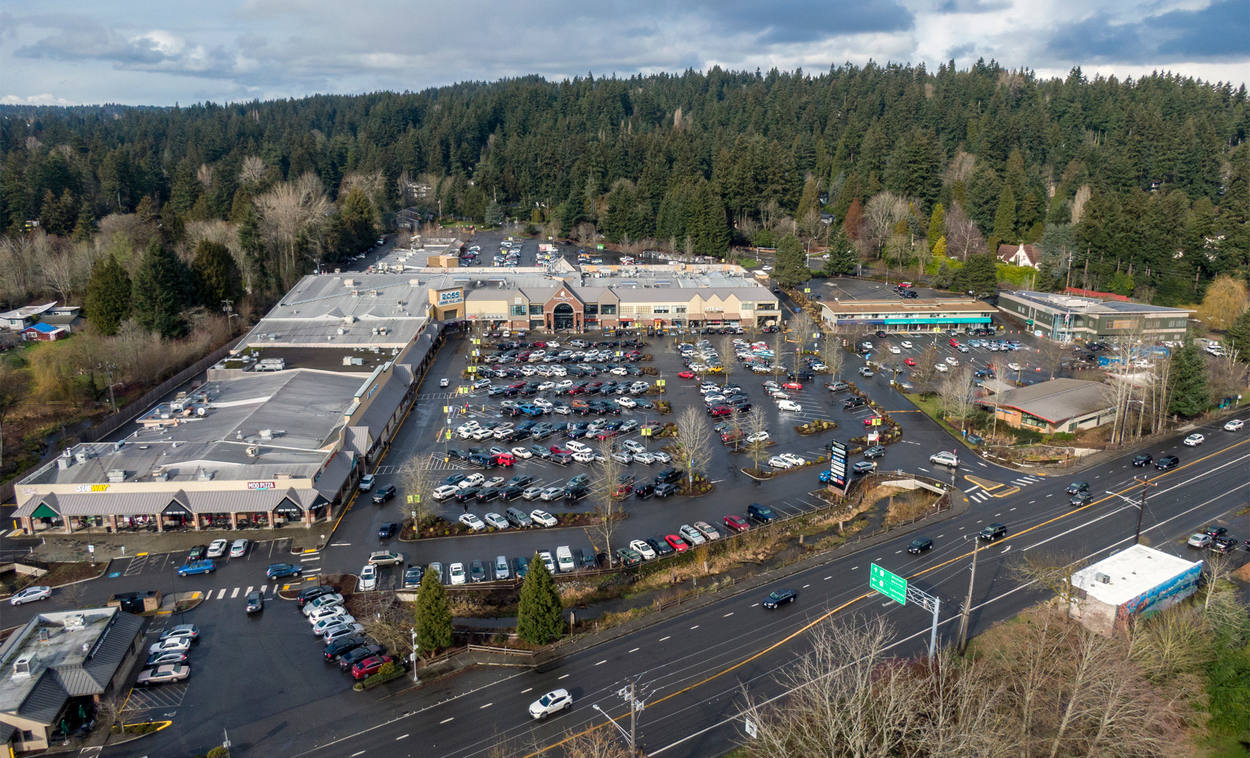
(852, 601)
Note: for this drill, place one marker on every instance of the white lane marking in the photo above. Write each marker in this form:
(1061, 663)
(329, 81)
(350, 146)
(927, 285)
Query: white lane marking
(828, 577)
(249, 590)
(527, 689)
(896, 552)
(940, 536)
(358, 752)
(447, 720)
(854, 568)
(635, 650)
(970, 489)
(665, 637)
(565, 676)
(480, 707)
(696, 626)
(805, 586)
(401, 737)
(340, 544)
(727, 615)
(600, 663)
(235, 593)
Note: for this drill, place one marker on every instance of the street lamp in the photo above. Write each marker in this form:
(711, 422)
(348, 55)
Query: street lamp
(413, 656)
(629, 740)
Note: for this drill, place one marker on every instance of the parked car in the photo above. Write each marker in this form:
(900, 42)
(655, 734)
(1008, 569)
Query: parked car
(1199, 540)
(542, 518)
(164, 674)
(471, 521)
(217, 549)
(310, 594)
(368, 578)
(735, 523)
(677, 543)
(761, 513)
(369, 666)
(190, 631)
(456, 573)
(238, 548)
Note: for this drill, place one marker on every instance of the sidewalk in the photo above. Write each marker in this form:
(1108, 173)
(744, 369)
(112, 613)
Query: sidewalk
(67, 548)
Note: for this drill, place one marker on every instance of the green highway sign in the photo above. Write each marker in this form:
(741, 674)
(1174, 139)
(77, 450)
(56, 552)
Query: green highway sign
(888, 583)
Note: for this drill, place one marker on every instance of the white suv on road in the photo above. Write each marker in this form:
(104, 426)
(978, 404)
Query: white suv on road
(945, 458)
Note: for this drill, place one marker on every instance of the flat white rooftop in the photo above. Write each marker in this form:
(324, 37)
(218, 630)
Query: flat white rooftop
(1129, 573)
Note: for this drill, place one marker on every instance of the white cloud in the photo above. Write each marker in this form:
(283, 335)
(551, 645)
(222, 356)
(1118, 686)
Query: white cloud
(43, 98)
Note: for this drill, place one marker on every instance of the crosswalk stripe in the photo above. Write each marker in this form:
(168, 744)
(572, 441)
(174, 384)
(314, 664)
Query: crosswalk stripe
(248, 591)
(235, 593)
(222, 593)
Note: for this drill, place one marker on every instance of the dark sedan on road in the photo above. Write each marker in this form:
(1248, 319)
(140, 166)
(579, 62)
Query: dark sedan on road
(920, 545)
(778, 598)
(388, 530)
(1141, 460)
(876, 451)
(282, 570)
(1166, 462)
(384, 494)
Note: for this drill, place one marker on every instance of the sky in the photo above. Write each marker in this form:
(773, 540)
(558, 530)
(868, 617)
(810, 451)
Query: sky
(67, 52)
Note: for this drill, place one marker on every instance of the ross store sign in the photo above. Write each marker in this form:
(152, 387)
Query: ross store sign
(449, 297)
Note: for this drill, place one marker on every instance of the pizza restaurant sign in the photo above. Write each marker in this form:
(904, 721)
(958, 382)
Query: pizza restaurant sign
(262, 485)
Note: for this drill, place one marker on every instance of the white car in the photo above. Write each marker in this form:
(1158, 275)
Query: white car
(707, 530)
(30, 595)
(584, 456)
(622, 456)
(795, 460)
(952, 361)
(644, 457)
(456, 572)
(895, 350)
(445, 491)
(941, 367)
(443, 382)
(171, 645)
(238, 548)
(522, 452)
(906, 344)
(473, 522)
(552, 493)
(472, 480)
(532, 493)
(778, 461)
(944, 458)
(542, 518)
(789, 405)
(368, 578)
(553, 702)
(546, 386)
(1013, 366)
(662, 457)
(757, 437)
(1194, 440)
(577, 447)
(366, 483)
(216, 549)
(548, 561)
(633, 446)
(619, 371)
(642, 548)
(494, 481)
(1234, 425)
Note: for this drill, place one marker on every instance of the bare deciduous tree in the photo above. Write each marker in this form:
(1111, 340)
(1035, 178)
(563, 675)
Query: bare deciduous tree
(252, 172)
(1052, 572)
(755, 424)
(694, 442)
(833, 355)
(597, 742)
(603, 491)
(289, 211)
(728, 359)
(883, 211)
(416, 478)
(957, 395)
(962, 235)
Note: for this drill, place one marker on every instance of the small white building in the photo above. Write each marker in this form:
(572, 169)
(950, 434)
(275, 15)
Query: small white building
(1134, 583)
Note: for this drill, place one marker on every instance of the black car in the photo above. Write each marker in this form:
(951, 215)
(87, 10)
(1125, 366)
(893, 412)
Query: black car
(196, 553)
(1076, 488)
(1080, 498)
(255, 602)
(487, 494)
(412, 576)
(511, 492)
(388, 530)
(1215, 531)
(477, 571)
(876, 451)
(761, 513)
(920, 545)
(853, 402)
(466, 494)
(1142, 459)
(341, 646)
(384, 494)
(348, 659)
(667, 475)
(778, 598)
(659, 546)
(520, 480)
(454, 479)
(573, 494)
(665, 489)
(1223, 544)
(644, 490)
(1166, 462)
(312, 593)
(992, 532)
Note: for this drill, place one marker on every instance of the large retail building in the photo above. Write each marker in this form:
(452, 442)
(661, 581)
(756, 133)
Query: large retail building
(1068, 318)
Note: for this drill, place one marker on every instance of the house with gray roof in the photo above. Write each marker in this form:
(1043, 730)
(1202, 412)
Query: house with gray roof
(1059, 405)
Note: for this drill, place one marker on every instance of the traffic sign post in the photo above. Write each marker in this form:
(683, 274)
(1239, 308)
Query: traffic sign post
(888, 583)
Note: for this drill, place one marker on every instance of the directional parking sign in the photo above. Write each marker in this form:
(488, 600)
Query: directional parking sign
(888, 583)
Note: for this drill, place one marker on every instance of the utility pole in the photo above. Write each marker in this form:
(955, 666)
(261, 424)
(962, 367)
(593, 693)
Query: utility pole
(967, 611)
(1146, 484)
(633, 721)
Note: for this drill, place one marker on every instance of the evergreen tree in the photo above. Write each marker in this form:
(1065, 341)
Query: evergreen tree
(432, 615)
(978, 276)
(791, 269)
(842, 256)
(159, 291)
(1004, 219)
(540, 614)
(937, 225)
(1191, 395)
(1238, 336)
(359, 220)
(216, 275)
(107, 302)
(494, 214)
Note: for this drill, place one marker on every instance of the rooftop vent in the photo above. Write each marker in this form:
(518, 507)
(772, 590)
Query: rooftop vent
(116, 475)
(81, 455)
(1102, 578)
(266, 434)
(75, 621)
(23, 665)
(252, 451)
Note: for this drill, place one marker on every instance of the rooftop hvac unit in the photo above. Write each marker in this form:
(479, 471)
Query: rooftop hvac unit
(341, 331)
(81, 456)
(64, 461)
(75, 621)
(118, 445)
(26, 663)
(116, 475)
(266, 434)
(252, 451)
(204, 475)
(1102, 578)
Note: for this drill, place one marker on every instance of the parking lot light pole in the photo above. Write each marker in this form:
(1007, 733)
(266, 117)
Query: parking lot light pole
(414, 655)
(619, 728)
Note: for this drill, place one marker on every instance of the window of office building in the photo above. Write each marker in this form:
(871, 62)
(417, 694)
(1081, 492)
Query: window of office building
(518, 310)
(679, 309)
(607, 310)
(536, 310)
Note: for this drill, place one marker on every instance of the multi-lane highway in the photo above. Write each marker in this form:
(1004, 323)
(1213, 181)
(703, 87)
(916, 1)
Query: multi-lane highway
(691, 669)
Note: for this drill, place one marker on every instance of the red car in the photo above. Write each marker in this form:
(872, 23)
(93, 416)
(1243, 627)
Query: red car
(792, 386)
(735, 523)
(540, 343)
(686, 374)
(677, 543)
(720, 410)
(557, 450)
(909, 361)
(953, 342)
(369, 666)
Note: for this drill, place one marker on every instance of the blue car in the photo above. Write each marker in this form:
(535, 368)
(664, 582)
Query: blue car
(280, 570)
(197, 567)
(826, 477)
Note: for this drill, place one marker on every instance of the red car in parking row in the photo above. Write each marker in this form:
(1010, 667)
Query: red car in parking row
(736, 523)
(370, 666)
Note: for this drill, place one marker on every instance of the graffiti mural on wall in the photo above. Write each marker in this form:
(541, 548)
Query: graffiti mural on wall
(1162, 596)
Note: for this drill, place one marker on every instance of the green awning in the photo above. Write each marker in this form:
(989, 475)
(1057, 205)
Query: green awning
(43, 511)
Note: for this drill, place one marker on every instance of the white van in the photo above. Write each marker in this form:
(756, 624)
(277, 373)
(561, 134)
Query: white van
(564, 558)
(789, 405)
